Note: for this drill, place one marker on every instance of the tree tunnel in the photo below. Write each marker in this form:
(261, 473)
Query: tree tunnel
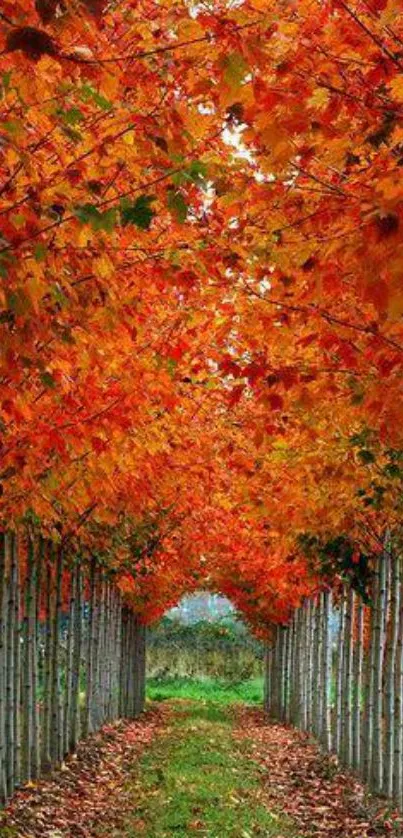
(201, 345)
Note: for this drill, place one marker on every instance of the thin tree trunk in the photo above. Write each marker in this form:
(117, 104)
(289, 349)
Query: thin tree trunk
(377, 761)
(28, 678)
(293, 669)
(321, 674)
(17, 666)
(10, 680)
(123, 672)
(76, 664)
(280, 662)
(327, 672)
(310, 666)
(287, 674)
(88, 722)
(390, 682)
(36, 588)
(368, 742)
(4, 594)
(95, 645)
(280, 670)
(303, 666)
(46, 759)
(358, 686)
(266, 677)
(98, 651)
(131, 670)
(109, 629)
(56, 721)
(316, 670)
(118, 658)
(398, 709)
(69, 665)
(104, 652)
(339, 678)
(347, 750)
(142, 668)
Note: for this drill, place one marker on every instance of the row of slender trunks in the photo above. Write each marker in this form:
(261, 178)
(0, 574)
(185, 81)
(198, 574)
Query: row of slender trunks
(347, 690)
(72, 656)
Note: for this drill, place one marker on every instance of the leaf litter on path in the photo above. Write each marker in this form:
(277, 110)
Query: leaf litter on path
(94, 792)
(89, 790)
(323, 800)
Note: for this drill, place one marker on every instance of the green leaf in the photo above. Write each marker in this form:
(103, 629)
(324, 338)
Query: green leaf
(39, 252)
(195, 173)
(90, 214)
(6, 79)
(5, 84)
(88, 93)
(72, 116)
(18, 301)
(6, 258)
(235, 69)
(72, 133)
(177, 205)
(366, 456)
(86, 213)
(66, 336)
(358, 398)
(48, 380)
(139, 213)
(18, 220)
(393, 470)
(58, 296)
(14, 127)
(171, 367)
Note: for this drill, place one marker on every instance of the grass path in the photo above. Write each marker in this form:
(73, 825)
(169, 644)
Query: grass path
(198, 779)
(208, 689)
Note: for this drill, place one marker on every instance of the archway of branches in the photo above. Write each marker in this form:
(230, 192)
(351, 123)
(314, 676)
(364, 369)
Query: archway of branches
(201, 353)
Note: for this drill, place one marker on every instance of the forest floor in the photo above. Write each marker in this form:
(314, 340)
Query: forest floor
(193, 767)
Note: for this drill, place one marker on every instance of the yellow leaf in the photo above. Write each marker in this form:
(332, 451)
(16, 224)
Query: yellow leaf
(103, 267)
(395, 306)
(84, 236)
(129, 138)
(319, 99)
(396, 87)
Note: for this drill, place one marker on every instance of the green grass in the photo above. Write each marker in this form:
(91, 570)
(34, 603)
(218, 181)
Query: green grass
(198, 780)
(8, 831)
(208, 689)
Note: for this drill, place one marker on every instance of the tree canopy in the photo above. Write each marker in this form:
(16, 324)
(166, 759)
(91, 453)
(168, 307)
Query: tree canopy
(201, 289)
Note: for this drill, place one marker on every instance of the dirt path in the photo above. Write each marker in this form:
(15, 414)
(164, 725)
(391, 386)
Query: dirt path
(193, 768)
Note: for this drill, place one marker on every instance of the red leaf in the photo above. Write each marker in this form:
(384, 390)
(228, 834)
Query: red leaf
(275, 401)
